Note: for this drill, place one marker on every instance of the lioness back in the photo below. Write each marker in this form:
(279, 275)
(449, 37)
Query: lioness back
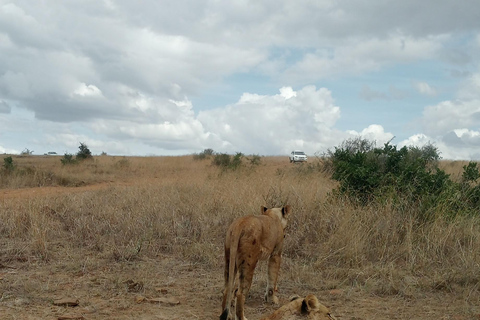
(248, 240)
(259, 236)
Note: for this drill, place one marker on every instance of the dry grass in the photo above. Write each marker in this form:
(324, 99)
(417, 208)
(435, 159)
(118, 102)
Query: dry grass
(177, 206)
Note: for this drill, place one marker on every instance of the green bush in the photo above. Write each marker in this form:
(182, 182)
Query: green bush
(205, 154)
(408, 176)
(8, 164)
(470, 172)
(226, 161)
(236, 161)
(68, 159)
(254, 159)
(221, 160)
(83, 153)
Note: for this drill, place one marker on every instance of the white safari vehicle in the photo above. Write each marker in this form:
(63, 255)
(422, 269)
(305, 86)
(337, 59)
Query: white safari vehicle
(298, 156)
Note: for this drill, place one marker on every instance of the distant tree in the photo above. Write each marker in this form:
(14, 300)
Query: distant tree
(209, 152)
(8, 164)
(68, 159)
(84, 152)
(26, 152)
(205, 154)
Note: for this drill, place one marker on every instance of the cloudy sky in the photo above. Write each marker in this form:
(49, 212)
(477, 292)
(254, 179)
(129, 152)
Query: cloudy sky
(260, 77)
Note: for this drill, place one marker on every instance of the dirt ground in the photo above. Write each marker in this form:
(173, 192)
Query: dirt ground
(168, 288)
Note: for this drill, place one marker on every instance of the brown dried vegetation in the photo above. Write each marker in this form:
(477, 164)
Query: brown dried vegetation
(83, 231)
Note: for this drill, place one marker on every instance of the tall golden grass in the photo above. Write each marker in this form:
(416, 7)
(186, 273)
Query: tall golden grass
(134, 207)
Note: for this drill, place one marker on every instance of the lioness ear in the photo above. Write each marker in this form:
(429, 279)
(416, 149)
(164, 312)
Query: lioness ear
(286, 210)
(263, 209)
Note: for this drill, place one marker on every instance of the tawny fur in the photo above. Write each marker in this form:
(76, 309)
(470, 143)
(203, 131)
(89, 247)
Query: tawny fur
(250, 239)
(302, 308)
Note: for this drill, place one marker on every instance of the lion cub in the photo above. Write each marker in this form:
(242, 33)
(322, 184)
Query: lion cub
(249, 239)
(301, 308)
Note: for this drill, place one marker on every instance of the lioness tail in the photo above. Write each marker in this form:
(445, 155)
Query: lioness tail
(231, 275)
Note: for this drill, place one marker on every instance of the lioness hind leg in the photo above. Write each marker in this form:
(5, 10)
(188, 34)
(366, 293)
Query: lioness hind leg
(273, 270)
(245, 281)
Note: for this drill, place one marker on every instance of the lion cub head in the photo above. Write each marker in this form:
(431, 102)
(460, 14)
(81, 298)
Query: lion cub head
(302, 308)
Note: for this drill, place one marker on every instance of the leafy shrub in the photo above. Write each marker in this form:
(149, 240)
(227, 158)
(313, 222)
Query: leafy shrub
(226, 161)
(239, 160)
(68, 159)
(470, 172)
(8, 164)
(236, 161)
(205, 154)
(255, 160)
(208, 152)
(83, 153)
(221, 160)
(406, 176)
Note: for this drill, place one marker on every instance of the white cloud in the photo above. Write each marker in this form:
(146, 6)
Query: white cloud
(303, 119)
(425, 88)
(8, 151)
(450, 115)
(124, 74)
(68, 143)
(275, 124)
(373, 132)
(361, 55)
(167, 125)
(455, 145)
(418, 140)
(87, 90)
(453, 125)
(470, 89)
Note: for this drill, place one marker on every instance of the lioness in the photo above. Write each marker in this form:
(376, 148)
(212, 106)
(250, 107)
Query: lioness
(249, 239)
(299, 308)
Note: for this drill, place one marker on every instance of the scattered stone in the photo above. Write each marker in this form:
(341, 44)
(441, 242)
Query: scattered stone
(170, 301)
(66, 302)
(73, 317)
(21, 302)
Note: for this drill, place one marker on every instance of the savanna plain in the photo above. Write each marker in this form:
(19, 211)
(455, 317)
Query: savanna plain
(142, 238)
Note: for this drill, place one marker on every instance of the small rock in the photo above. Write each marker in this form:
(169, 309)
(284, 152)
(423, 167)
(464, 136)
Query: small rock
(21, 302)
(66, 302)
(72, 317)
